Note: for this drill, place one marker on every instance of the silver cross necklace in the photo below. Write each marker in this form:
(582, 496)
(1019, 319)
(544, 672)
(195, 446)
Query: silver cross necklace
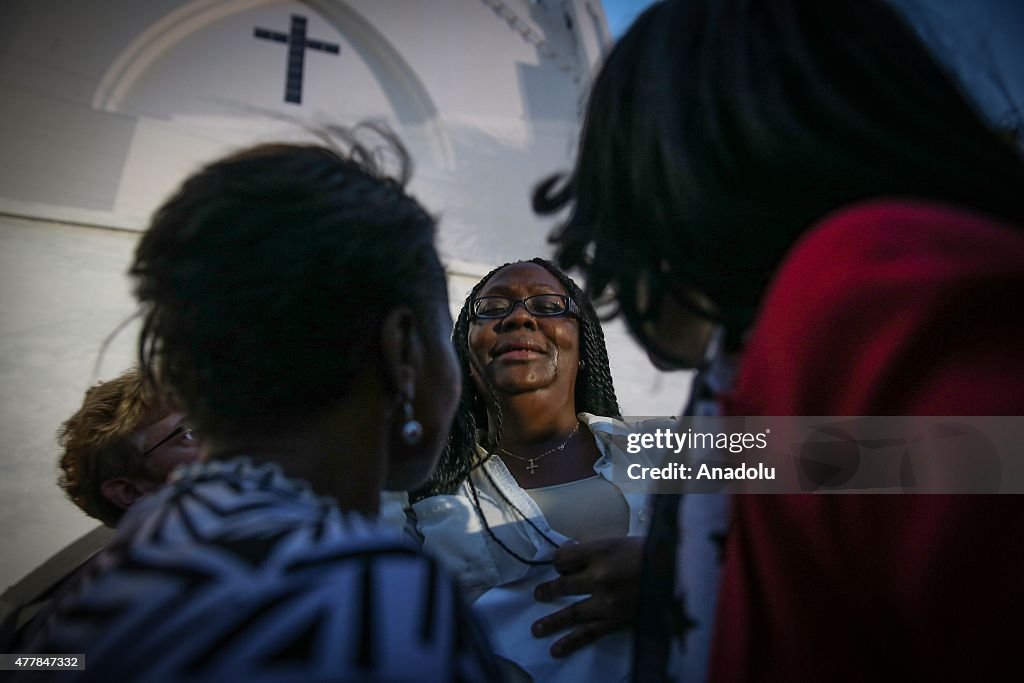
(531, 467)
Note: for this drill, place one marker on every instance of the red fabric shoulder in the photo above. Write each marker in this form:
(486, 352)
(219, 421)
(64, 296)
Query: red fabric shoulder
(891, 308)
(886, 308)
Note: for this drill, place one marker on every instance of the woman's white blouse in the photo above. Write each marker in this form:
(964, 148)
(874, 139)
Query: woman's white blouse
(500, 586)
(452, 531)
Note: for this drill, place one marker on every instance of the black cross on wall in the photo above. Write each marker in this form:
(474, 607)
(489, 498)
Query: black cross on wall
(297, 43)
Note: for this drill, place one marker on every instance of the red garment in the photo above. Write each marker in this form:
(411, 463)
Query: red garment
(885, 308)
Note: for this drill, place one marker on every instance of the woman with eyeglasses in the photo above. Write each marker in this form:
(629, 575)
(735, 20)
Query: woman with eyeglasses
(293, 300)
(528, 467)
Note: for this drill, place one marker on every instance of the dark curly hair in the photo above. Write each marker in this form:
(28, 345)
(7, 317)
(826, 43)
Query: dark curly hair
(595, 392)
(265, 278)
(719, 131)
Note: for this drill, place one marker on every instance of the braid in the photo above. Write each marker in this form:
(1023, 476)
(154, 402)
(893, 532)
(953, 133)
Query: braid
(596, 394)
(595, 391)
(490, 532)
(460, 455)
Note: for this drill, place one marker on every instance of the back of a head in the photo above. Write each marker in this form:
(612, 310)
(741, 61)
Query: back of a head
(719, 130)
(265, 279)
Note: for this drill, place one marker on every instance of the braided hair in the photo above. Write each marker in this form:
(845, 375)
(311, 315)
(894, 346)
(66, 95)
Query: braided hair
(595, 392)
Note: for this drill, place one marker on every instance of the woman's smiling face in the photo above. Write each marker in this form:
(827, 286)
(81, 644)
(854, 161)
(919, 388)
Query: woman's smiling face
(523, 352)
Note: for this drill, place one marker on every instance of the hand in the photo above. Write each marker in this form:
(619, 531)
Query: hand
(608, 571)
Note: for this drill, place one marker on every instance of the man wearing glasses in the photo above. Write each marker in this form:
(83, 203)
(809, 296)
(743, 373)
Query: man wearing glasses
(121, 444)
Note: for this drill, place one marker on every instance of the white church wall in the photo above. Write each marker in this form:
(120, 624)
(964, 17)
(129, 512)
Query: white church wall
(109, 101)
(63, 291)
(593, 37)
(108, 104)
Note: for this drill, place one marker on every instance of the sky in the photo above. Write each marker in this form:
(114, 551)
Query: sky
(621, 13)
(977, 38)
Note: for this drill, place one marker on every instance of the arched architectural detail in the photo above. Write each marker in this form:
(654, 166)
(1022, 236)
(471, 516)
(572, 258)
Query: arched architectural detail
(409, 98)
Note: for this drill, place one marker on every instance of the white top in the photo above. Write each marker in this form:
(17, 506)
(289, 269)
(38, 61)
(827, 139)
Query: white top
(501, 585)
(586, 510)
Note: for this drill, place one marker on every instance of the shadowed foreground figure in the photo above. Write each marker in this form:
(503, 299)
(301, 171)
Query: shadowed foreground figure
(293, 300)
(799, 187)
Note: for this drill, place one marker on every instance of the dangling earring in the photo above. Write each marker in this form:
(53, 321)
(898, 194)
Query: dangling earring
(412, 429)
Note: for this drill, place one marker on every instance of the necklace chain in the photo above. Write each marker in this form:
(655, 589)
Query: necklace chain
(532, 466)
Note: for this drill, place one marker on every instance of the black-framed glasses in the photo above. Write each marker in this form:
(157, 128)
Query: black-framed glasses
(541, 305)
(188, 432)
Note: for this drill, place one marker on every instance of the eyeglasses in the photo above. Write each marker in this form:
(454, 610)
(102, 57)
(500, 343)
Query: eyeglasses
(541, 305)
(188, 432)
